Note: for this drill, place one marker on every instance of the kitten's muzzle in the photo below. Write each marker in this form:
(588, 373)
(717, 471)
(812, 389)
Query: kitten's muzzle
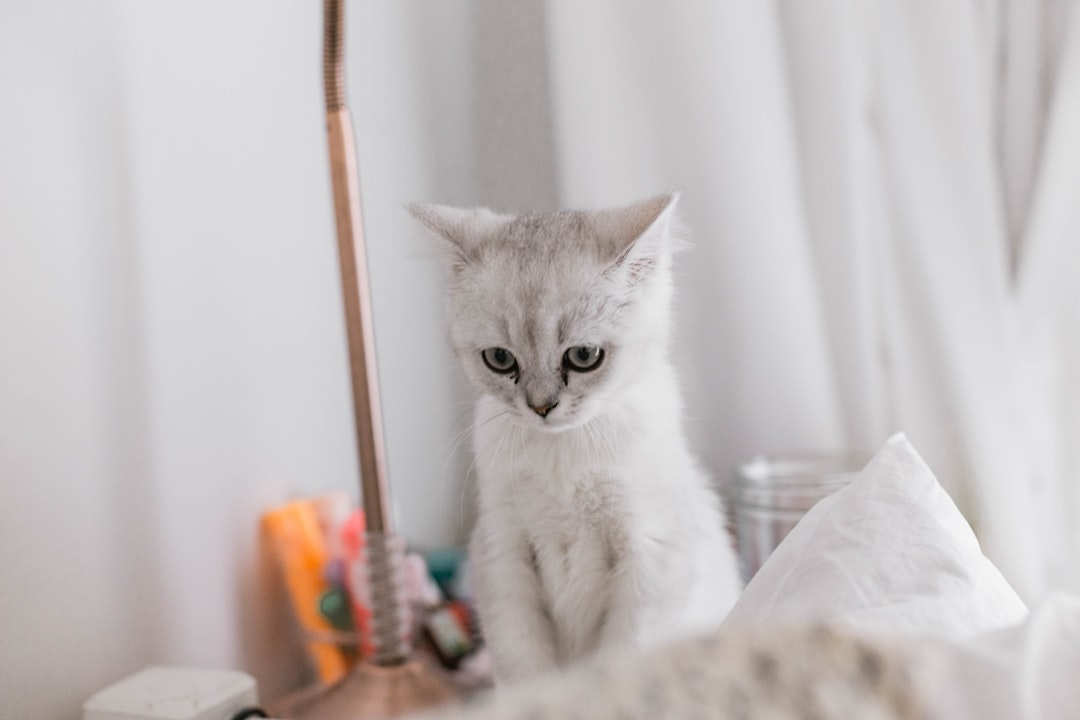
(543, 410)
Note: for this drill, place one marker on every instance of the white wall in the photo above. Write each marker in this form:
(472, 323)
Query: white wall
(79, 556)
(172, 357)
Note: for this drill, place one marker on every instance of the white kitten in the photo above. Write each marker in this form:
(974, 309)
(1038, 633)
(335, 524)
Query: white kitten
(596, 529)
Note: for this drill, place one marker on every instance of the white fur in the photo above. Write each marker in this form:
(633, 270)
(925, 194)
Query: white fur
(597, 529)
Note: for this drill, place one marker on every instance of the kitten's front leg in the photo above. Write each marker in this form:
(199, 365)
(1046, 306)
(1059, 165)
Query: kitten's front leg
(514, 619)
(642, 578)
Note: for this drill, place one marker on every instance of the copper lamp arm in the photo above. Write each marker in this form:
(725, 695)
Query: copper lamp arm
(355, 286)
(389, 683)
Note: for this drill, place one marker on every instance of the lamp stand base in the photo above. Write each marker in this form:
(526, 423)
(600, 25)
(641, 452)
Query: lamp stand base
(370, 692)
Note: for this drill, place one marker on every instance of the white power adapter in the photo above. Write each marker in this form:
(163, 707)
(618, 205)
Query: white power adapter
(175, 693)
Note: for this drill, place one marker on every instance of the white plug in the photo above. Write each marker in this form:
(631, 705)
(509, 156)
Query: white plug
(174, 693)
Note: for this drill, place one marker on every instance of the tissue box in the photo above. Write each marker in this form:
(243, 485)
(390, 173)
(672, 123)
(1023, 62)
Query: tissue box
(174, 693)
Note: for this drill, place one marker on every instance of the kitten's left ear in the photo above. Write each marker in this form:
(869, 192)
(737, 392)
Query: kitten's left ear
(637, 236)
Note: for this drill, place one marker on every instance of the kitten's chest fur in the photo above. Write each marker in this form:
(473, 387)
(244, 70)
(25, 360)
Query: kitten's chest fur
(583, 504)
(574, 516)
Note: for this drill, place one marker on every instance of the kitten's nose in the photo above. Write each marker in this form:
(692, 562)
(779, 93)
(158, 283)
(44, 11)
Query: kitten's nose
(543, 410)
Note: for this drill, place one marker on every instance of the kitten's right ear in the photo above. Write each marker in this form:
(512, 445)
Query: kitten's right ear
(461, 230)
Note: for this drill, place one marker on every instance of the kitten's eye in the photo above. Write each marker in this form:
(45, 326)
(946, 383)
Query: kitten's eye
(583, 358)
(499, 360)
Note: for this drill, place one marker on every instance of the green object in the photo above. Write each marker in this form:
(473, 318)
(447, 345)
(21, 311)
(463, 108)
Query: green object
(334, 606)
(443, 566)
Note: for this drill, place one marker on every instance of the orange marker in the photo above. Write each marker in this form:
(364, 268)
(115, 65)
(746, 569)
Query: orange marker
(301, 551)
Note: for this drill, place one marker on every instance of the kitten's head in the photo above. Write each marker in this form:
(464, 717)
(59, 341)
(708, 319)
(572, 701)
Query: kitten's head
(553, 314)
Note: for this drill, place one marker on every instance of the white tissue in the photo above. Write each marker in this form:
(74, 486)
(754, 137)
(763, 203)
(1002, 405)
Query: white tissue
(888, 553)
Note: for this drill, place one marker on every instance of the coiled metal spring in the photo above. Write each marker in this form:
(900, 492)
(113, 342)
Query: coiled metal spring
(333, 53)
(390, 613)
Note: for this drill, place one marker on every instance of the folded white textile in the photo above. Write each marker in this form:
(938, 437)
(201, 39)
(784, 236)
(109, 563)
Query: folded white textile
(890, 553)
(1026, 672)
(891, 556)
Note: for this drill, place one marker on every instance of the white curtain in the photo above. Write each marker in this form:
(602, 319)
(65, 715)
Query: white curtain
(883, 198)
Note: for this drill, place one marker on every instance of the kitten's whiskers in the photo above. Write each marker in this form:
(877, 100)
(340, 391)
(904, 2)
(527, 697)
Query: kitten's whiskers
(455, 442)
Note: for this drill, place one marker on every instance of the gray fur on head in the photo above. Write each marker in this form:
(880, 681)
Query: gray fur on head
(537, 285)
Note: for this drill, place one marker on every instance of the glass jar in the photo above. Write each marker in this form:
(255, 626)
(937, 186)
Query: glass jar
(769, 495)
